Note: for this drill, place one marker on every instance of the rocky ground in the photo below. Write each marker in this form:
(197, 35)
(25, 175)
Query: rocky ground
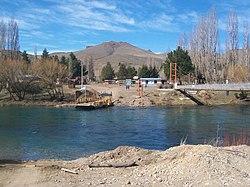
(185, 165)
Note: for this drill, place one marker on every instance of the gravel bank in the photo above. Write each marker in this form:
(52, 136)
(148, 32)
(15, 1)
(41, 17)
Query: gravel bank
(186, 165)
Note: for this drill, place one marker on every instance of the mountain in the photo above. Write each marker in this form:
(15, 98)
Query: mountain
(116, 53)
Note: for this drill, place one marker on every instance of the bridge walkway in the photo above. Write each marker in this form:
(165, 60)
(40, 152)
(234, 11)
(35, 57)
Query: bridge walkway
(184, 89)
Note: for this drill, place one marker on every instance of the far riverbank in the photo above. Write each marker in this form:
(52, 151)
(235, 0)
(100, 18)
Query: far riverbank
(122, 97)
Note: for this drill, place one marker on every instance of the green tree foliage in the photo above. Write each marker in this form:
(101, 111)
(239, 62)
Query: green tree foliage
(242, 95)
(122, 72)
(126, 72)
(75, 66)
(107, 72)
(131, 72)
(143, 71)
(56, 58)
(148, 72)
(45, 54)
(25, 57)
(64, 60)
(182, 60)
(153, 73)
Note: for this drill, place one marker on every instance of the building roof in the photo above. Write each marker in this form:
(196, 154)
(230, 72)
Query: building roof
(150, 79)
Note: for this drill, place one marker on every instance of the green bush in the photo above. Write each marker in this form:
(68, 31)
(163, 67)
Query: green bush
(242, 95)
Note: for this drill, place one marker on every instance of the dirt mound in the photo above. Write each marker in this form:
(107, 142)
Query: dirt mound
(125, 155)
(186, 165)
(200, 165)
(203, 165)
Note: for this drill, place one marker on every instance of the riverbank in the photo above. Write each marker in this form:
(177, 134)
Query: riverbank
(186, 165)
(122, 97)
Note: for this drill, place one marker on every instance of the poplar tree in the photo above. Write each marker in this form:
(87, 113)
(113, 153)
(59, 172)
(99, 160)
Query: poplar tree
(13, 39)
(233, 37)
(90, 64)
(204, 48)
(2, 35)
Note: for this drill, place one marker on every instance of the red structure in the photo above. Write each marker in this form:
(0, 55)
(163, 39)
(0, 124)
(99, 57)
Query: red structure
(173, 72)
(140, 88)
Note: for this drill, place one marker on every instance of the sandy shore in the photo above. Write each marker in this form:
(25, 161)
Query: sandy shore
(186, 165)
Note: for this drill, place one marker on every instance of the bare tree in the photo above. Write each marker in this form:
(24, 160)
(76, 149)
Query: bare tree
(245, 58)
(2, 38)
(221, 65)
(203, 44)
(233, 37)
(212, 65)
(204, 49)
(17, 77)
(2, 35)
(90, 66)
(35, 53)
(13, 39)
(194, 50)
(52, 74)
(183, 41)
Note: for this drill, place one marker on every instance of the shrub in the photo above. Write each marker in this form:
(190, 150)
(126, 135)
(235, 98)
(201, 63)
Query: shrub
(242, 95)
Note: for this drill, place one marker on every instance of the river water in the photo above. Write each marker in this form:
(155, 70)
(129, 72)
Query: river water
(66, 133)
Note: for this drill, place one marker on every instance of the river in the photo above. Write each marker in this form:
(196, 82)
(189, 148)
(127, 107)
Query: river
(28, 133)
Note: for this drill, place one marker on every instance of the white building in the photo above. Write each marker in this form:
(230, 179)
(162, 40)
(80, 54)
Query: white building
(151, 81)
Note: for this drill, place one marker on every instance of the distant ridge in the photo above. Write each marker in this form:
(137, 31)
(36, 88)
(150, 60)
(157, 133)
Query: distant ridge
(118, 52)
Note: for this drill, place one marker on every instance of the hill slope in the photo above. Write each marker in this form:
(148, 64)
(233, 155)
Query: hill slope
(119, 52)
(115, 53)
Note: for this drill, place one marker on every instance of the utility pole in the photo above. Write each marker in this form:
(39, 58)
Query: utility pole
(140, 88)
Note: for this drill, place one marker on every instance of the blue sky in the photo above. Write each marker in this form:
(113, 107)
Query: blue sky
(71, 25)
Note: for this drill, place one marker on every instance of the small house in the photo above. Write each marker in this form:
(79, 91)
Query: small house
(151, 82)
(106, 82)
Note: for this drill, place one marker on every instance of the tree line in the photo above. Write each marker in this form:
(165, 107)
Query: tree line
(199, 55)
(128, 72)
(211, 61)
(20, 75)
(47, 74)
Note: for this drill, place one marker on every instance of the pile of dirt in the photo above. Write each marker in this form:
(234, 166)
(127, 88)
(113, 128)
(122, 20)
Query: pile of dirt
(186, 165)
